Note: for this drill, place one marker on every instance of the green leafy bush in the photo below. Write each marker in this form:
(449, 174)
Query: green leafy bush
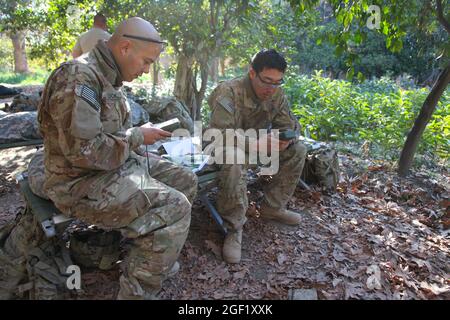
(377, 111)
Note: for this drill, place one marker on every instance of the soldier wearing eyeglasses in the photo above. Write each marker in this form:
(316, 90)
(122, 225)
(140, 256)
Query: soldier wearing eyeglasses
(256, 101)
(92, 170)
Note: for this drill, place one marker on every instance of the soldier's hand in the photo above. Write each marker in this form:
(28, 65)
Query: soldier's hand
(147, 125)
(152, 134)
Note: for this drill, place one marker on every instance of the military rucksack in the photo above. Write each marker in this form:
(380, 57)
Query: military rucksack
(166, 108)
(95, 248)
(321, 165)
(17, 127)
(24, 102)
(32, 266)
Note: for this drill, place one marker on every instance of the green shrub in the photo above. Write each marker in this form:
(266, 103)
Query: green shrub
(377, 111)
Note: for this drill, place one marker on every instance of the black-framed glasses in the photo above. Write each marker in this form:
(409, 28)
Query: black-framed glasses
(270, 84)
(164, 43)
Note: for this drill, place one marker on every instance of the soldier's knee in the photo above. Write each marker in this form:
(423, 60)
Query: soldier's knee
(191, 185)
(232, 171)
(192, 179)
(182, 203)
(232, 179)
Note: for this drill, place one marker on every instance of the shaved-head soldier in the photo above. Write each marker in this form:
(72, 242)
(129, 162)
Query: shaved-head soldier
(93, 172)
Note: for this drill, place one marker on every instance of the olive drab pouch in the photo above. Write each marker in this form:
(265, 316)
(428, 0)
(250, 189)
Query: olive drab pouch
(31, 265)
(47, 267)
(322, 168)
(12, 270)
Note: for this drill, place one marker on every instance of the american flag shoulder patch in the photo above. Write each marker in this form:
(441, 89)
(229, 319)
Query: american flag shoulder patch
(227, 104)
(88, 95)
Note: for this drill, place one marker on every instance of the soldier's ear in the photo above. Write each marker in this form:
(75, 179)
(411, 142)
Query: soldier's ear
(125, 47)
(252, 73)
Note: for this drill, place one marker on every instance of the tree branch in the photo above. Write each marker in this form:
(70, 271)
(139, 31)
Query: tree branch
(440, 16)
(212, 21)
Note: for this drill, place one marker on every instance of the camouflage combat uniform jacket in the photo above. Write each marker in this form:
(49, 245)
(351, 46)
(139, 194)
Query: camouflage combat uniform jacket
(234, 105)
(85, 120)
(92, 172)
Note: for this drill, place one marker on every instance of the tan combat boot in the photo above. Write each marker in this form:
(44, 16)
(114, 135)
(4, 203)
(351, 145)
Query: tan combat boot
(231, 251)
(281, 215)
(131, 289)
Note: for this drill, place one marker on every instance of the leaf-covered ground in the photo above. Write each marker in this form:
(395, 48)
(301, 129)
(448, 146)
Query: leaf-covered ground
(377, 237)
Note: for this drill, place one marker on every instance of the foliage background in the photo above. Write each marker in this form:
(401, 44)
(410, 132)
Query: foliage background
(376, 107)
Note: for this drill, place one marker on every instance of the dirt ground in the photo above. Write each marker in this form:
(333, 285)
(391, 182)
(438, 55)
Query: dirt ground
(377, 237)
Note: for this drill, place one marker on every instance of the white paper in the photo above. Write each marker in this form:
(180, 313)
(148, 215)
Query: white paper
(181, 147)
(186, 152)
(202, 164)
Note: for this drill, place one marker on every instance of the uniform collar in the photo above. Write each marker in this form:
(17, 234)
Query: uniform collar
(250, 92)
(251, 100)
(107, 64)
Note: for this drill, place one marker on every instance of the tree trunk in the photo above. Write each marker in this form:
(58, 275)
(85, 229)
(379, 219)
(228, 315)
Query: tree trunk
(20, 55)
(214, 69)
(156, 67)
(428, 107)
(222, 67)
(200, 94)
(184, 86)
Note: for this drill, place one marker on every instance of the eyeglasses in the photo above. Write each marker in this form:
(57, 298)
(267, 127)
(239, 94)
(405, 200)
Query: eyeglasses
(270, 84)
(145, 39)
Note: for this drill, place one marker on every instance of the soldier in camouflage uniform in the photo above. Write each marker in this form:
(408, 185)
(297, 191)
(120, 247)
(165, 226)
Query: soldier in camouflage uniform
(256, 102)
(92, 172)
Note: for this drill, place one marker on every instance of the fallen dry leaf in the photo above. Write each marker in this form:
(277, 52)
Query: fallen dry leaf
(214, 248)
(281, 258)
(374, 280)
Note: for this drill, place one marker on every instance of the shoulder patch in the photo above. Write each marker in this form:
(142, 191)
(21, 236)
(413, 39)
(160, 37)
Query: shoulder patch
(227, 104)
(88, 95)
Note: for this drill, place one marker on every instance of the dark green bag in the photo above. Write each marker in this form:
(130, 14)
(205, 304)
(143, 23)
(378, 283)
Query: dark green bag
(32, 266)
(321, 167)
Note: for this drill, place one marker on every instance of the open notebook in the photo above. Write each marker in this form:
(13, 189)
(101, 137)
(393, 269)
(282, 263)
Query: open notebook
(186, 152)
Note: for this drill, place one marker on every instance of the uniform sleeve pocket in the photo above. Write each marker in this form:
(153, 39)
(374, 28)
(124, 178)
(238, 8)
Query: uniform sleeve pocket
(85, 121)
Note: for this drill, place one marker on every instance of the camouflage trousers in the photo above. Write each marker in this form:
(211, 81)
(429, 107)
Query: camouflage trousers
(232, 201)
(151, 207)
